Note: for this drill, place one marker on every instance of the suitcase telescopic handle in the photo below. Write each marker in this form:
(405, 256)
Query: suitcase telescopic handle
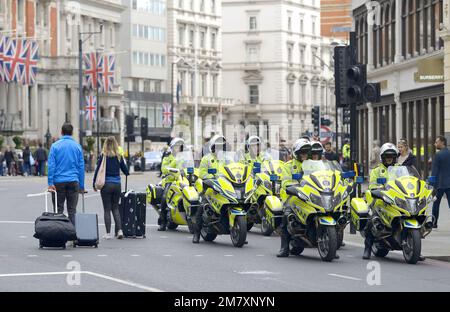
(46, 198)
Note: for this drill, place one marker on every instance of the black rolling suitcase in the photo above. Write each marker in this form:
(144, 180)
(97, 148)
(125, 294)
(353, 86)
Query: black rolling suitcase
(53, 229)
(133, 212)
(86, 225)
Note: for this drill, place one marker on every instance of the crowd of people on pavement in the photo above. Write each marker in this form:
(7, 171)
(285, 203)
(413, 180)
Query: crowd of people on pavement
(26, 162)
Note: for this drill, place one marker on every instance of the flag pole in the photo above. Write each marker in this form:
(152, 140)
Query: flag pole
(98, 115)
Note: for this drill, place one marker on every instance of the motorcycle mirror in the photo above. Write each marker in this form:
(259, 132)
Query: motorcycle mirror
(190, 170)
(348, 174)
(212, 171)
(432, 179)
(381, 180)
(360, 179)
(256, 170)
(296, 176)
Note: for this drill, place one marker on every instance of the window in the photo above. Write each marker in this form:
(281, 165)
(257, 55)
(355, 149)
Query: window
(291, 93)
(204, 85)
(289, 49)
(192, 84)
(191, 38)
(302, 55)
(147, 85)
(252, 54)
(202, 39)
(314, 26)
(20, 10)
(158, 86)
(152, 60)
(202, 5)
(214, 85)
(254, 94)
(181, 31)
(301, 23)
(135, 57)
(135, 84)
(146, 59)
(163, 60)
(134, 4)
(313, 56)
(180, 4)
(192, 5)
(213, 41)
(253, 25)
(289, 23)
(213, 6)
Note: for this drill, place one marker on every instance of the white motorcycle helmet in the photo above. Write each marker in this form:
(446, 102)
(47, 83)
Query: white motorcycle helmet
(217, 142)
(316, 148)
(253, 140)
(301, 146)
(388, 149)
(176, 142)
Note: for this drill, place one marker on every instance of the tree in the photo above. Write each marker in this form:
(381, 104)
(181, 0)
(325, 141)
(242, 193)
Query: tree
(18, 141)
(90, 143)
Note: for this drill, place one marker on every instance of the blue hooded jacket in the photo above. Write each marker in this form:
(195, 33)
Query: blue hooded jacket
(66, 162)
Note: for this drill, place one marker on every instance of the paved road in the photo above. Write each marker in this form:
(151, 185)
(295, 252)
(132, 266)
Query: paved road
(168, 261)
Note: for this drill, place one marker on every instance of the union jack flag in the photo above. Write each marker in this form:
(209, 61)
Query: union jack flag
(91, 70)
(106, 65)
(91, 107)
(167, 115)
(28, 68)
(3, 40)
(12, 59)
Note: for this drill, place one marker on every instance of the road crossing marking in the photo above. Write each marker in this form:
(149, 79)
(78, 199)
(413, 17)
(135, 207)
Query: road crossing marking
(163, 237)
(260, 255)
(67, 256)
(228, 255)
(345, 277)
(102, 255)
(22, 236)
(134, 255)
(167, 255)
(32, 256)
(198, 256)
(262, 272)
(103, 276)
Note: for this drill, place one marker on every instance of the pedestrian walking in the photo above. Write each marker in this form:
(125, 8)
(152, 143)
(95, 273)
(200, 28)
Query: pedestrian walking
(441, 170)
(406, 157)
(9, 158)
(66, 171)
(2, 159)
(330, 154)
(107, 172)
(27, 160)
(40, 155)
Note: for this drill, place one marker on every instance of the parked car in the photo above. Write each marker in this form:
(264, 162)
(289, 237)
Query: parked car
(152, 161)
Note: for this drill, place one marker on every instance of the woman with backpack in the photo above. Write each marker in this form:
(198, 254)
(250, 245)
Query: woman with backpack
(107, 179)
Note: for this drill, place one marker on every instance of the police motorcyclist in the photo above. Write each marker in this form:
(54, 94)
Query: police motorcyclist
(300, 153)
(388, 156)
(216, 144)
(253, 151)
(169, 161)
(316, 150)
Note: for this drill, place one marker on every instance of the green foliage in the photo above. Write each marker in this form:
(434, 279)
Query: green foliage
(90, 140)
(18, 141)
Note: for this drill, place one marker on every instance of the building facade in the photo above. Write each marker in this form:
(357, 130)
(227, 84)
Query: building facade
(145, 65)
(195, 66)
(400, 41)
(277, 66)
(29, 110)
(335, 18)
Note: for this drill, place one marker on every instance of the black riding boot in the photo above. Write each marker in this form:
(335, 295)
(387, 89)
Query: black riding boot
(198, 226)
(368, 242)
(163, 216)
(284, 250)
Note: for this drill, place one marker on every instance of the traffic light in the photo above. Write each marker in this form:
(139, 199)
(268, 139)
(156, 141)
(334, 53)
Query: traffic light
(325, 122)
(315, 117)
(346, 116)
(341, 63)
(356, 80)
(144, 127)
(129, 122)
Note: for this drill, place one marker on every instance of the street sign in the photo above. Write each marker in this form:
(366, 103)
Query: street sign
(138, 139)
(325, 134)
(88, 132)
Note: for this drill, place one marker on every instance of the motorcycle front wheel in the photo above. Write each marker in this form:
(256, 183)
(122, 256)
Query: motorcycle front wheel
(238, 232)
(327, 242)
(412, 245)
(207, 235)
(266, 227)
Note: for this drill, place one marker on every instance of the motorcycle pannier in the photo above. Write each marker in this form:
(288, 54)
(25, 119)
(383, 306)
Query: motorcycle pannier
(359, 213)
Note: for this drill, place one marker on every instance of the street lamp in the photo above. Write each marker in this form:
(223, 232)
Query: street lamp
(48, 135)
(80, 73)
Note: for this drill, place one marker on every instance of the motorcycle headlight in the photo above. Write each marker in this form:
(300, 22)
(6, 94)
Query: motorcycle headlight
(327, 202)
(316, 200)
(240, 192)
(337, 200)
(412, 205)
(401, 203)
(422, 203)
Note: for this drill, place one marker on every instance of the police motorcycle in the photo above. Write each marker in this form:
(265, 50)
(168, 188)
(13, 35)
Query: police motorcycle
(182, 198)
(267, 208)
(226, 199)
(317, 206)
(395, 215)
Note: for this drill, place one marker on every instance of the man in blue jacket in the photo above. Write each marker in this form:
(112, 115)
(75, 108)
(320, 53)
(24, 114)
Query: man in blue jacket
(441, 170)
(66, 171)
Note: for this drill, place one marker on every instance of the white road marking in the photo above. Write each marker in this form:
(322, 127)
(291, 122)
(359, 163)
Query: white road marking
(163, 237)
(110, 278)
(228, 255)
(92, 195)
(198, 256)
(32, 256)
(255, 272)
(260, 255)
(102, 255)
(4, 256)
(16, 222)
(22, 236)
(167, 255)
(67, 256)
(134, 255)
(345, 276)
